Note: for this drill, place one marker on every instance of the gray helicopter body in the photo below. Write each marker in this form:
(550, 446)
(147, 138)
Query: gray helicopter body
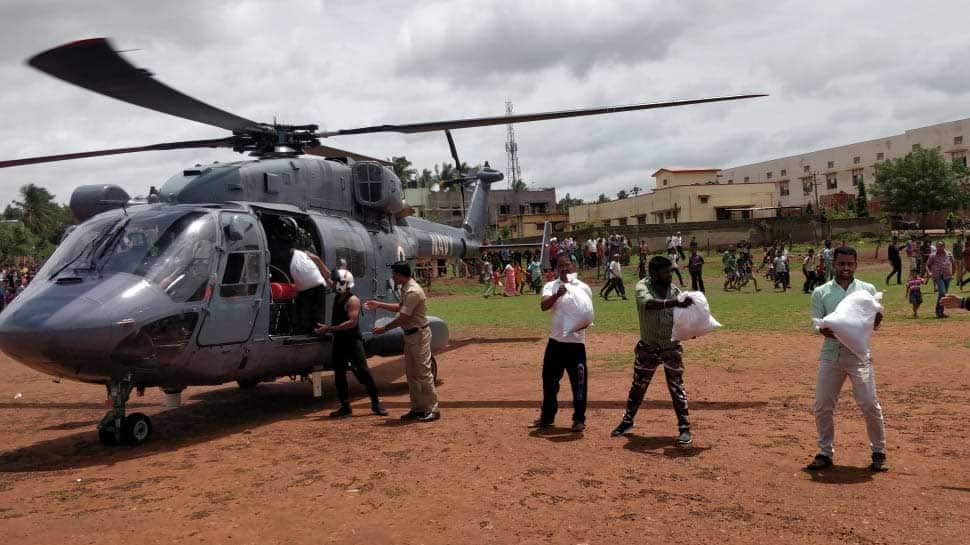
(179, 293)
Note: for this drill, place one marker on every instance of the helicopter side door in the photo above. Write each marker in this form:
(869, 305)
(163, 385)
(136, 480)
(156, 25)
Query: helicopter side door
(238, 295)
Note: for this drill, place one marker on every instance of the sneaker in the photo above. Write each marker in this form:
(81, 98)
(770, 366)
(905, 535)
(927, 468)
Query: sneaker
(878, 462)
(343, 412)
(578, 427)
(412, 415)
(378, 409)
(684, 439)
(821, 461)
(429, 416)
(540, 424)
(621, 429)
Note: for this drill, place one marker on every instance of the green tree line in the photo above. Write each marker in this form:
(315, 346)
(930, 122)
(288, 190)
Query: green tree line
(32, 225)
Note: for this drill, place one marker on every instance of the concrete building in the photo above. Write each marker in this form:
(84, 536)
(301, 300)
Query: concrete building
(683, 195)
(531, 225)
(504, 204)
(836, 172)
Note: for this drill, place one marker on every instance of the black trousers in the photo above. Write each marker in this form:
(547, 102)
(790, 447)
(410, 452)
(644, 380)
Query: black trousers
(697, 280)
(571, 358)
(897, 270)
(676, 270)
(615, 284)
(309, 306)
(810, 281)
(349, 354)
(647, 360)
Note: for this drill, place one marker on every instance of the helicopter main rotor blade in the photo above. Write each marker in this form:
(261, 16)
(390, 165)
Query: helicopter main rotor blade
(327, 151)
(187, 144)
(524, 118)
(94, 65)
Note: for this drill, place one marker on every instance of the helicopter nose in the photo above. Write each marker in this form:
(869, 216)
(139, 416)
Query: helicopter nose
(66, 330)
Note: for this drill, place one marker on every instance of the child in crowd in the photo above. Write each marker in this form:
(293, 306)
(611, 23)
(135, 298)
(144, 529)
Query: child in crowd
(913, 292)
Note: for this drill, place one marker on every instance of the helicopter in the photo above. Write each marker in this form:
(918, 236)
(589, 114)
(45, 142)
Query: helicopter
(190, 285)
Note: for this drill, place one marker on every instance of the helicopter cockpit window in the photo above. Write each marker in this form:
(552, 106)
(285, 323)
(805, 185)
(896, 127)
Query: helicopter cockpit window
(171, 249)
(77, 248)
(244, 264)
(370, 183)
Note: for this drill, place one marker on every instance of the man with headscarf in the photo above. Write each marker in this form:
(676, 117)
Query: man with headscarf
(656, 298)
(348, 345)
(412, 318)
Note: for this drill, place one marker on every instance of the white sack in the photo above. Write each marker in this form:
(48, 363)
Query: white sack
(695, 320)
(853, 321)
(577, 309)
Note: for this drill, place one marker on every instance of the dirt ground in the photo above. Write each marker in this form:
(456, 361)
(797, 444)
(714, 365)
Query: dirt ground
(267, 466)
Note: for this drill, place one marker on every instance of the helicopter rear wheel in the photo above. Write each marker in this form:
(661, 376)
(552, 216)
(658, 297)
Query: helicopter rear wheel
(138, 428)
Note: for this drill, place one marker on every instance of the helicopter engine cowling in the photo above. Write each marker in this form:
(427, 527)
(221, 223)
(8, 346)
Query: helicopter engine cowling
(88, 201)
(376, 187)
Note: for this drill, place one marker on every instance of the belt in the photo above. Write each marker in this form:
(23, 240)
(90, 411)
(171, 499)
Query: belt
(414, 330)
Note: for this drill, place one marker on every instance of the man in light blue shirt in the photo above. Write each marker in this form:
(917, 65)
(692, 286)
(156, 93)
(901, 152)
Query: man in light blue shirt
(837, 362)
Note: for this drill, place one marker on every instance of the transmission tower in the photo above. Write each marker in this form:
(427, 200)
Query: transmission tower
(513, 173)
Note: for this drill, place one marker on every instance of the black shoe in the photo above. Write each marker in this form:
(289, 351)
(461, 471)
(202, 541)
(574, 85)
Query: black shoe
(412, 415)
(343, 412)
(878, 462)
(578, 427)
(621, 429)
(378, 409)
(684, 439)
(429, 416)
(821, 461)
(540, 424)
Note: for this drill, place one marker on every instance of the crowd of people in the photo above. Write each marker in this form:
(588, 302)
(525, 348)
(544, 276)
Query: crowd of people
(927, 261)
(13, 281)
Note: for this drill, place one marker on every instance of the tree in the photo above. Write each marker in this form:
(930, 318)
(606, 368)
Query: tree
(426, 178)
(861, 202)
(567, 201)
(602, 198)
(921, 182)
(636, 190)
(621, 194)
(38, 210)
(11, 213)
(402, 168)
(519, 185)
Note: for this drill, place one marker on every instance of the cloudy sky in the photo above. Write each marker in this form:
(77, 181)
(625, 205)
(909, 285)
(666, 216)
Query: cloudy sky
(837, 72)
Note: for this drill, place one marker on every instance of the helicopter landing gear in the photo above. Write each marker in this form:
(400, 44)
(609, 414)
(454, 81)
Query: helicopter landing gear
(118, 429)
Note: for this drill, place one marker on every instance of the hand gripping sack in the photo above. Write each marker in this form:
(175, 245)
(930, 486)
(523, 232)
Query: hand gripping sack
(577, 309)
(695, 320)
(853, 321)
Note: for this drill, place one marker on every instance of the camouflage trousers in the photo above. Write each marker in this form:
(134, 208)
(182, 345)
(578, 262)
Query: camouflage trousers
(648, 358)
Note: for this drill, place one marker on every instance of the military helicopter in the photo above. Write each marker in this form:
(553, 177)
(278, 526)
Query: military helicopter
(188, 287)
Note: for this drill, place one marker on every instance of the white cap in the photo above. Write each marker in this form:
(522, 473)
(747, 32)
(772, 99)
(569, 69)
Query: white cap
(346, 276)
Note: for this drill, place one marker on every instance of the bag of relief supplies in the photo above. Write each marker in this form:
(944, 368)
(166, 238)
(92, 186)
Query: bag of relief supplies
(695, 320)
(853, 321)
(577, 307)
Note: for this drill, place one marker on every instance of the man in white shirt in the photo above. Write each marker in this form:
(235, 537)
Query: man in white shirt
(615, 282)
(566, 350)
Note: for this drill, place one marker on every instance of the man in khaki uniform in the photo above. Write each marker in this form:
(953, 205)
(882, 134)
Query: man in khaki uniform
(412, 318)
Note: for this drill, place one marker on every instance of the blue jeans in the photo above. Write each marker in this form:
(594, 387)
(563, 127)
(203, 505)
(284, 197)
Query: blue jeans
(942, 286)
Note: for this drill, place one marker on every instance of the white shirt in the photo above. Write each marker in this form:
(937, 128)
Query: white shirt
(567, 309)
(670, 242)
(304, 271)
(615, 269)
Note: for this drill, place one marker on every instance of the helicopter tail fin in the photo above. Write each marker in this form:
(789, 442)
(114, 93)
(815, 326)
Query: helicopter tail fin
(476, 218)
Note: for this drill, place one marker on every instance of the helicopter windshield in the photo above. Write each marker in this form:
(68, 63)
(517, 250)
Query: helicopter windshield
(172, 249)
(77, 247)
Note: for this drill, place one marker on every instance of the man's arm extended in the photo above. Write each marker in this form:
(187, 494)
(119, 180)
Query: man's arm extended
(660, 304)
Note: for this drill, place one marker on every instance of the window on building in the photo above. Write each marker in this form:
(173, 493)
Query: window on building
(957, 140)
(665, 181)
(917, 147)
(832, 180)
(606, 223)
(642, 219)
(806, 169)
(703, 198)
(880, 156)
(857, 177)
(807, 185)
(784, 172)
(622, 221)
(783, 189)
(768, 175)
(521, 209)
(503, 209)
(540, 227)
(831, 164)
(538, 207)
(746, 179)
(856, 160)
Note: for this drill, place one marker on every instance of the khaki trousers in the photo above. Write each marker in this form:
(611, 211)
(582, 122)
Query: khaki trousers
(831, 376)
(417, 368)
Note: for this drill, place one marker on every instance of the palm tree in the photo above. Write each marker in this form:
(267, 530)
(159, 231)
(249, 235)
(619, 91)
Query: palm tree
(39, 212)
(402, 168)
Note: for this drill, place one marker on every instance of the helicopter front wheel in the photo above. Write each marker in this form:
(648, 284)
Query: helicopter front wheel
(138, 428)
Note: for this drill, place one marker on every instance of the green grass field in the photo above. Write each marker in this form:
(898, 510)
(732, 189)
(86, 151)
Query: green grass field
(767, 310)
